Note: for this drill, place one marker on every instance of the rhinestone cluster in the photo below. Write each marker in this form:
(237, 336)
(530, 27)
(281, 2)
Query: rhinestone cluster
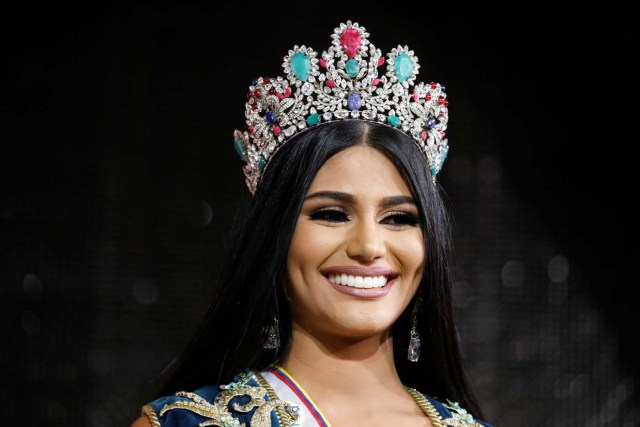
(348, 81)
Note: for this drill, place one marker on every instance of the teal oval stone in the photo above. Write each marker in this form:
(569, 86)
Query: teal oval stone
(313, 119)
(261, 162)
(352, 67)
(301, 66)
(240, 149)
(404, 67)
(393, 120)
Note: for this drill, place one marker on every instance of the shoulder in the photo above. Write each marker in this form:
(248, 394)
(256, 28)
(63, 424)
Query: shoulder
(229, 405)
(449, 413)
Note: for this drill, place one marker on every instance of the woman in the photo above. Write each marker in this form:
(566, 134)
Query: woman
(334, 305)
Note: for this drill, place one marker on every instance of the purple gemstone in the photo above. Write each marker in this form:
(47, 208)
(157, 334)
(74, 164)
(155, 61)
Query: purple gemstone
(270, 117)
(353, 101)
(431, 123)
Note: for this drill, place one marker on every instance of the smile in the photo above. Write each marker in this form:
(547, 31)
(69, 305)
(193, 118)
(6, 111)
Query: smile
(358, 281)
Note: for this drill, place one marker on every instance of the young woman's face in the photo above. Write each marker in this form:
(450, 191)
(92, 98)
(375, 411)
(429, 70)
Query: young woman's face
(357, 253)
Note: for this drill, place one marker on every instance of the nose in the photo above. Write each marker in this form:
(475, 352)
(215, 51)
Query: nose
(366, 241)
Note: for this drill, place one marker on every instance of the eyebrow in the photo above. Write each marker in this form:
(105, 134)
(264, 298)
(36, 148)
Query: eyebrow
(350, 198)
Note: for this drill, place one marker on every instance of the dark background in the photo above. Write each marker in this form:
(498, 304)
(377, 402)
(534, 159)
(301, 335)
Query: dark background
(119, 183)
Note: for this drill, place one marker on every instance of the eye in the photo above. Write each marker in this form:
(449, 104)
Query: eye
(329, 215)
(400, 219)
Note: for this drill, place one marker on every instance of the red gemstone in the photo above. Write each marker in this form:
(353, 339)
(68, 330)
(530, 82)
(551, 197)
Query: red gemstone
(434, 85)
(287, 92)
(250, 128)
(276, 130)
(375, 82)
(427, 97)
(249, 94)
(266, 80)
(280, 96)
(441, 100)
(331, 83)
(323, 63)
(272, 91)
(257, 93)
(380, 61)
(350, 41)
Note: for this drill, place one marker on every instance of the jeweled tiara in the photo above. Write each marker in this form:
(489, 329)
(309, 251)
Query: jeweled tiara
(344, 83)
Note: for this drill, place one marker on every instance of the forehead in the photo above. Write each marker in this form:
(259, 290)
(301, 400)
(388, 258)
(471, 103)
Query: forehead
(360, 169)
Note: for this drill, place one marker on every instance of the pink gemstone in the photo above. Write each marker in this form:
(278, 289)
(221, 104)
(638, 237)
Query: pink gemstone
(350, 41)
(331, 83)
(276, 130)
(423, 135)
(415, 97)
(323, 63)
(442, 134)
(380, 61)
(287, 92)
(280, 96)
(375, 82)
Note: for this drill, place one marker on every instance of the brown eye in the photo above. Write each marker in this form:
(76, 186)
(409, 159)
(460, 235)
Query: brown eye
(401, 219)
(329, 215)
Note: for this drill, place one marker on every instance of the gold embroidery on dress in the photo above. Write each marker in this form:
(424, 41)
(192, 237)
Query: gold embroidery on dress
(459, 418)
(218, 413)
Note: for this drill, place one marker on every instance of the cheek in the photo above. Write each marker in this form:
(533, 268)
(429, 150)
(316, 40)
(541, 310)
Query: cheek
(411, 253)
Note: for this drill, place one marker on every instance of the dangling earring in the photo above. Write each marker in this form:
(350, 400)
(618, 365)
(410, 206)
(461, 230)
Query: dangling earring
(414, 341)
(273, 335)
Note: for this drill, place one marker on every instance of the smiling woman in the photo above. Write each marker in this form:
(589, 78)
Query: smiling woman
(334, 306)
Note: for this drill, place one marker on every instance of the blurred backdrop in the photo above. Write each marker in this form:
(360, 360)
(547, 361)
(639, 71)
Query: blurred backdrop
(120, 183)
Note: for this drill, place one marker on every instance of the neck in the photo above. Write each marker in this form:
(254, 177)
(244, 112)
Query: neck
(339, 363)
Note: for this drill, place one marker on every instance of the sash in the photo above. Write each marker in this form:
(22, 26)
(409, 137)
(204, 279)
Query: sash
(290, 391)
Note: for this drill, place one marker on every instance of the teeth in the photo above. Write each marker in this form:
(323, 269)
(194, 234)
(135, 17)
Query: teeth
(358, 281)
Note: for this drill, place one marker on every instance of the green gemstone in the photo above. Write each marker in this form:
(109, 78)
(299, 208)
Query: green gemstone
(404, 67)
(261, 162)
(393, 120)
(313, 119)
(352, 67)
(301, 66)
(240, 149)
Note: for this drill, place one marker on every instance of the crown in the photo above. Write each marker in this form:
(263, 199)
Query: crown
(351, 80)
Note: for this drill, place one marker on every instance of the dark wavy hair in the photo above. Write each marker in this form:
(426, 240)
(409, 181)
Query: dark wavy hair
(250, 289)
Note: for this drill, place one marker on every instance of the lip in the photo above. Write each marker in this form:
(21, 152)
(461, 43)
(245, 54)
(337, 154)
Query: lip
(356, 270)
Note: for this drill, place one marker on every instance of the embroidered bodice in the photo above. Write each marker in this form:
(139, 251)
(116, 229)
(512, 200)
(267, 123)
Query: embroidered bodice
(272, 399)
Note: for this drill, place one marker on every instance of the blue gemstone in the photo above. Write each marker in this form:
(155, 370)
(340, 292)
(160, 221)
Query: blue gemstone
(254, 82)
(353, 101)
(352, 67)
(270, 117)
(404, 67)
(301, 66)
(431, 123)
(443, 156)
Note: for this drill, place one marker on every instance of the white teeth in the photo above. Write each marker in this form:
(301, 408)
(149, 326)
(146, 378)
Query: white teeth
(358, 281)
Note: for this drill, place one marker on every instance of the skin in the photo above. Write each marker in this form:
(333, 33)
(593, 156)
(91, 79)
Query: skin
(341, 350)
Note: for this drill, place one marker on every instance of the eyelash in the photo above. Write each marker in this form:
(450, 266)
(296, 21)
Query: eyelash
(333, 215)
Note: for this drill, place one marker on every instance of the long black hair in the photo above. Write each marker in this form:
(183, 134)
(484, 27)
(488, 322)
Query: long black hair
(250, 289)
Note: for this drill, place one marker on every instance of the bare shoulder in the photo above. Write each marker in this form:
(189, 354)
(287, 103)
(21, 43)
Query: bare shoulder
(142, 421)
